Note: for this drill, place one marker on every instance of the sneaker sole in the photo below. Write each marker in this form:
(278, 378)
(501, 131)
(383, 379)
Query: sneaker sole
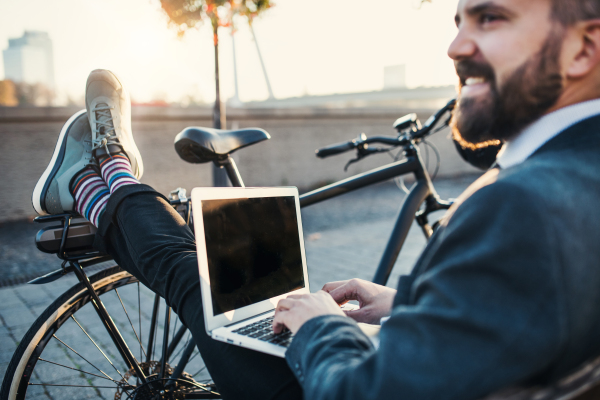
(39, 193)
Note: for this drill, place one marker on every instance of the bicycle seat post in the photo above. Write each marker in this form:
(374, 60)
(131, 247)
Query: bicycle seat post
(232, 171)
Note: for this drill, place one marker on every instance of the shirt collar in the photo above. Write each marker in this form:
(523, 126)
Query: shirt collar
(520, 148)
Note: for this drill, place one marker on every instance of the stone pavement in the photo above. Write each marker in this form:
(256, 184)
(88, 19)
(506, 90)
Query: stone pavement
(344, 239)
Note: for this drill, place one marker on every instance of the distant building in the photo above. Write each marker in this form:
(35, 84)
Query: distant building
(417, 98)
(394, 77)
(395, 94)
(30, 59)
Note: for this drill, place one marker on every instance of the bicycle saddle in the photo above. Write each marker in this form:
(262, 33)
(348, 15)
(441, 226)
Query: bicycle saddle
(200, 145)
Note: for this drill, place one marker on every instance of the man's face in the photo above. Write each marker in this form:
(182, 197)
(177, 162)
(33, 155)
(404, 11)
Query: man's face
(506, 54)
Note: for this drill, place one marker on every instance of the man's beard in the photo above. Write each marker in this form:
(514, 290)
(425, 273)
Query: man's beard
(526, 95)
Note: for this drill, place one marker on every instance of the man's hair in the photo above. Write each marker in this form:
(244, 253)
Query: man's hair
(569, 12)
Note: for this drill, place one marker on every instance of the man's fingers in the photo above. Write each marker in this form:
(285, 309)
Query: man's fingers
(278, 321)
(344, 294)
(357, 315)
(328, 287)
(284, 304)
(296, 296)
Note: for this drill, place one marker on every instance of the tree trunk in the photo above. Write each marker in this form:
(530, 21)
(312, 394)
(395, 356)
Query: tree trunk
(217, 108)
(220, 178)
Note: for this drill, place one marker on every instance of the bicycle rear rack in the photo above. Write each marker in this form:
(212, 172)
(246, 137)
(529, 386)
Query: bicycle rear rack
(83, 258)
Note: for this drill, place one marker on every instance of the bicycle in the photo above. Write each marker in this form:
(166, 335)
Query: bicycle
(38, 366)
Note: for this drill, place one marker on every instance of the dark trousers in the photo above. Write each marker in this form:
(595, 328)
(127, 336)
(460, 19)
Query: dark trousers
(149, 239)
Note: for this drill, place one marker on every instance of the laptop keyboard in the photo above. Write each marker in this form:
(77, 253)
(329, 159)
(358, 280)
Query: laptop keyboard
(263, 330)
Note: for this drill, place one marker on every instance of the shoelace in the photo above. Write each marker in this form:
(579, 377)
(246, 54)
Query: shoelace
(104, 131)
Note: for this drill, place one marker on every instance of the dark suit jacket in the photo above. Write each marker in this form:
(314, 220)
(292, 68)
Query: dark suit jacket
(506, 292)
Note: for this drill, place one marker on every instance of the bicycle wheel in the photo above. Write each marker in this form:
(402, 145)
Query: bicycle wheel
(68, 354)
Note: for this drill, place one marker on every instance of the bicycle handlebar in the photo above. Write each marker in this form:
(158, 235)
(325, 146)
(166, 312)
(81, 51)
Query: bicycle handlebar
(433, 120)
(362, 140)
(335, 149)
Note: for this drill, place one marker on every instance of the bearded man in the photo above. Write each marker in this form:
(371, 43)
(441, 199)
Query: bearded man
(506, 291)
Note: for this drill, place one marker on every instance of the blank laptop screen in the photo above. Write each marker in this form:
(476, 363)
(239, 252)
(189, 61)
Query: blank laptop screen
(253, 250)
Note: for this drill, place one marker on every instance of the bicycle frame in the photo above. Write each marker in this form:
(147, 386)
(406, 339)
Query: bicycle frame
(422, 191)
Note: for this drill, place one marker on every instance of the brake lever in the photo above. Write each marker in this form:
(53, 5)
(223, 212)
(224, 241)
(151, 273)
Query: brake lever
(447, 123)
(352, 161)
(362, 151)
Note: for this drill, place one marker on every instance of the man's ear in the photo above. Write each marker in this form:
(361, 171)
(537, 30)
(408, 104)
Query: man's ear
(585, 42)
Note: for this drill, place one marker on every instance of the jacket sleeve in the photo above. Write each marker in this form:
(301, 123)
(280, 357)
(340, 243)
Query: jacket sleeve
(484, 313)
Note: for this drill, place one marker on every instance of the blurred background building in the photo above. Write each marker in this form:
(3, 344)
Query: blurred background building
(395, 94)
(29, 59)
(394, 77)
(28, 71)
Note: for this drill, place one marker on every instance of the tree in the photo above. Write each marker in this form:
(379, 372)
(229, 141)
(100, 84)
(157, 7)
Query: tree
(8, 94)
(187, 14)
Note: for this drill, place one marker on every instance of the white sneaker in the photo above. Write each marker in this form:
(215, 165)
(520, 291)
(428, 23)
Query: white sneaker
(109, 112)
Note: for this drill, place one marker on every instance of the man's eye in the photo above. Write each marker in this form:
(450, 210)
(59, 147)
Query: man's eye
(489, 18)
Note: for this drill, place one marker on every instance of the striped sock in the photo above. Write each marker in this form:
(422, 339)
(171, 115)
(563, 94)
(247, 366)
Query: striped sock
(116, 172)
(91, 195)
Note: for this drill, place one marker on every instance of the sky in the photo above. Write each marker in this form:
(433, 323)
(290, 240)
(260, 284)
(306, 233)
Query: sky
(308, 46)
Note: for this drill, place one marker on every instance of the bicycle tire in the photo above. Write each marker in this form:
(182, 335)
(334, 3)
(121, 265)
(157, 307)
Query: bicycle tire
(22, 367)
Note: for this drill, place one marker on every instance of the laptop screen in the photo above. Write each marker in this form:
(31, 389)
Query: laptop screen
(253, 250)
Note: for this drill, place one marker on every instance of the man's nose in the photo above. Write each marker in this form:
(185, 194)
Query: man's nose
(462, 46)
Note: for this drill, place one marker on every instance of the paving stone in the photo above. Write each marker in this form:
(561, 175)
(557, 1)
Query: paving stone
(32, 296)
(6, 355)
(4, 364)
(16, 316)
(8, 298)
(18, 332)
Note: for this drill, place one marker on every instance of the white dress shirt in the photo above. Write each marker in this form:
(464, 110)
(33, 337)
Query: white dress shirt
(541, 131)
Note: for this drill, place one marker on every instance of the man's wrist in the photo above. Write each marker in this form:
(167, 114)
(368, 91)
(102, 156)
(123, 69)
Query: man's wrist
(312, 340)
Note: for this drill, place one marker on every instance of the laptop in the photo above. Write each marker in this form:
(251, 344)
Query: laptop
(250, 255)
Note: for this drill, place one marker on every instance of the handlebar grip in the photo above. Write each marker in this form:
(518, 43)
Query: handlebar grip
(335, 149)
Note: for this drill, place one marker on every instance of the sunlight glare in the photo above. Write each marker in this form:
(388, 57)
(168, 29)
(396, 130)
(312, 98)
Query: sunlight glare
(145, 43)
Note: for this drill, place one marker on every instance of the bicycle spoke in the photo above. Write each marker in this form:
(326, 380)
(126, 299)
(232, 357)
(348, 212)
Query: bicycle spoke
(177, 335)
(84, 359)
(199, 371)
(98, 347)
(77, 386)
(46, 392)
(129, 319)
(194, 356)
(85, 372)
(140, 320)
(181, 348)
(78, 370)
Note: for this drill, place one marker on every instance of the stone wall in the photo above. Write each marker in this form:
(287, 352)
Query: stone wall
(28, 137)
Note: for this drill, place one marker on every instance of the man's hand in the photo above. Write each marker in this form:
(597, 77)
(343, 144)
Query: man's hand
(375, 301)
(293, 311)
